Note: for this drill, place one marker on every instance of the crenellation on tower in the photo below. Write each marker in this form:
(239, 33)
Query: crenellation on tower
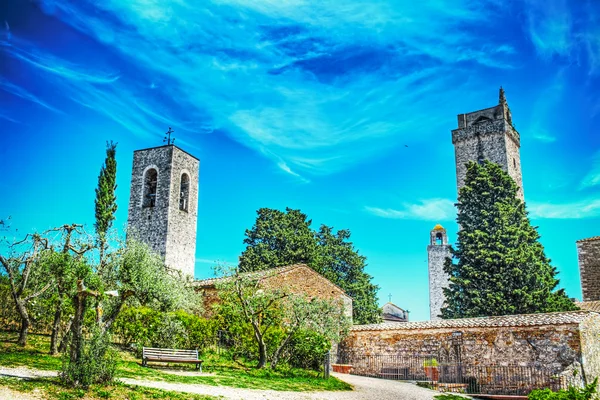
(163, 204)
(488, 134)
(437, 252)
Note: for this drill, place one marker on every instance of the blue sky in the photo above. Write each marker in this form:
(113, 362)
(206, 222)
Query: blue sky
(342, 109)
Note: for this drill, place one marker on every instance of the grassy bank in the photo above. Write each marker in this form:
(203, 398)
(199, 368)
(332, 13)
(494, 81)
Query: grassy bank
(223, 372)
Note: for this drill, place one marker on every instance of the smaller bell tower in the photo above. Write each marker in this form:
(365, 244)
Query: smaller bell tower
(163, 204)
(437, 252)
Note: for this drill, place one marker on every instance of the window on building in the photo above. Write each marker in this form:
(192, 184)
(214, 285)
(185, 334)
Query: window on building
(184, 192)
(150, 185)
(515, 162)
(439, 240)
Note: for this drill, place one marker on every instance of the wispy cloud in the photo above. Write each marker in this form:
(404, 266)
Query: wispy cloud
(593, 177)
(25, 94)
(428, 210)
(314, 86)
(583, 209)
(566, 29)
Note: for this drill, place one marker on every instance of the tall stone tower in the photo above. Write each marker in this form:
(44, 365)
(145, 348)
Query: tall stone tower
(437, 251)
(588, 251)
(488, 134)
(163, 204)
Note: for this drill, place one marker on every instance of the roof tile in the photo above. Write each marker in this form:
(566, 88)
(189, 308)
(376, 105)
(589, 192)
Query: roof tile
(557, 318)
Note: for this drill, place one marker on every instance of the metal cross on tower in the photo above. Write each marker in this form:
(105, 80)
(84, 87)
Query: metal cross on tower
(167, 138)
(390, 297)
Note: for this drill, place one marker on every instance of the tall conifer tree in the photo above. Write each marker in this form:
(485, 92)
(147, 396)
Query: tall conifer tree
(106, 199)
(501, 267)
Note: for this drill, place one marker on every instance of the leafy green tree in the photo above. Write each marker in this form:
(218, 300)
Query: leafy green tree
(25, 276)
(278, 239)
(274, 315)
(340, 262)
(284, 238)
(106, 199)
(501, 268)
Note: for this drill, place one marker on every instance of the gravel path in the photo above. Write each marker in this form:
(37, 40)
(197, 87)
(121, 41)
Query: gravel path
(364, 388)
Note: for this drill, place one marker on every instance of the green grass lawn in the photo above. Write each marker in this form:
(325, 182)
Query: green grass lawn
(223, 372)
(52, 389)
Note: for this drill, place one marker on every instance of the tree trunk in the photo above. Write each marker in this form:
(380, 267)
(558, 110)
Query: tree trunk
(23, 333)
(279, 350)
(56, 326)
(65, 339)
(77, 327)
(25, 322)
(262, 351)
(262, 348)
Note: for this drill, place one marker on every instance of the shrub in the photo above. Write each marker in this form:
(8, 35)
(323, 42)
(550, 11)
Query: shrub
(145, 326)
(97, 363)
(572, 393)
(307, 348)
(170, 333)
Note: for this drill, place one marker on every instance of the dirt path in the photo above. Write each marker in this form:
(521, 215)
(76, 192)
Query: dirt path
(364, 388)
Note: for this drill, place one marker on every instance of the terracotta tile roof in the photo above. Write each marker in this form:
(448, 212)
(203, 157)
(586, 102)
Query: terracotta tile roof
(264, 273)
(589, 239)
(558, 318)
(589, 305)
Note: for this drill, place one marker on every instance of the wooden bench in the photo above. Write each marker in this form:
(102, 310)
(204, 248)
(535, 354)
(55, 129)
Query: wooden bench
(171, 355)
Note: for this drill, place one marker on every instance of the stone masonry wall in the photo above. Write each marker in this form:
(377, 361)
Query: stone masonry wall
(438, 279)
(554, 347)
(588, 251)
(493, 137)
(166, 229)
(150, 224)
(303, 280)
(590, 347)
(182, 225)
(300, 280)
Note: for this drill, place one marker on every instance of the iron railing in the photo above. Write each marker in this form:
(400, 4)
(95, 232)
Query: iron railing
(454, 376)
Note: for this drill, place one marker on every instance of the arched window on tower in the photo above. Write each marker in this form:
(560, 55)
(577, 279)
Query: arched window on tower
(184, 192)
(150, 185)
(439, 239)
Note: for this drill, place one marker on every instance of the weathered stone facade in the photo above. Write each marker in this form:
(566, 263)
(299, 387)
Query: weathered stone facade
(163, 204)
(297, 279)
(560, 342)
(437, 252)
(488, 134)
(588, 251)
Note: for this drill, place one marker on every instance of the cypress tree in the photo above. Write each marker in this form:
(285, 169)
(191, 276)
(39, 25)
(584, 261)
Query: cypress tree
(501, 266)
(106, 199)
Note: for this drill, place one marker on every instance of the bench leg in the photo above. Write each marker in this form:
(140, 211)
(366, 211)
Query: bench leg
(144, 362)
(199, 367)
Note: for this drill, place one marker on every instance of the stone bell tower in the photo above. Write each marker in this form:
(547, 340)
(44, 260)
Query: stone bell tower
(488, 134)
(163, 204)
(437, 252)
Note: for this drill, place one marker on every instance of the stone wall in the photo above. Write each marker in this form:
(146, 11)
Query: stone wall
(590, 347)
(150, 224)
(168, 230)
(556, 341)
(438, 279)
(182, 226)
(488, 134)
(588, 251)
(296, 279)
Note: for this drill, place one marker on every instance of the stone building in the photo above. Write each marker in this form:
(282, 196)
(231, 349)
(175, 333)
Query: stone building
(163, 204)
(588, 251)
(297, 279)
(488, 134)
(393, 313)
(437, 252)
(557, 342)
